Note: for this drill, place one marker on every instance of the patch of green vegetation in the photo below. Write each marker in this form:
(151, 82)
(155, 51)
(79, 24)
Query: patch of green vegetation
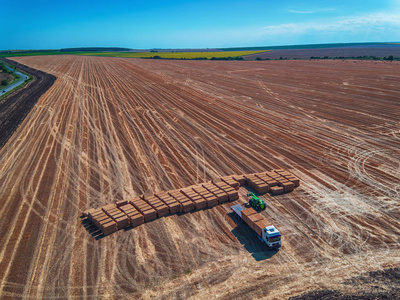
(3, 68)
(15, 77)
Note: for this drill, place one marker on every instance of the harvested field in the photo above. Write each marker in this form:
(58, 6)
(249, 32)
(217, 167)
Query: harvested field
(377, 51)
(114, 128)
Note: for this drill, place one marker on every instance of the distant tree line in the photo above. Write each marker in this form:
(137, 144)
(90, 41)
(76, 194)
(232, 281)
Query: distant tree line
(227, 58)
(388, 58)
(24, 51)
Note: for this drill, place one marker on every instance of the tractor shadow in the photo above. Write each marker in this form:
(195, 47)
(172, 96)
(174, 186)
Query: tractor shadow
(247, 237)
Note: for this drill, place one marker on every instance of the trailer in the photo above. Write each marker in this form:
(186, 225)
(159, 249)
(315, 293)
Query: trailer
(264, 231)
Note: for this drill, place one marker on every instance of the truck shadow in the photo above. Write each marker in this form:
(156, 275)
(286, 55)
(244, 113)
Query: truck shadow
(247, 237)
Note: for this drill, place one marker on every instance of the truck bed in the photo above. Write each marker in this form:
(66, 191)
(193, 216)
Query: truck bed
(238, 209)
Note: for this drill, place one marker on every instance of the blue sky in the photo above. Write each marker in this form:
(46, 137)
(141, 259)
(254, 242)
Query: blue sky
(44, 24)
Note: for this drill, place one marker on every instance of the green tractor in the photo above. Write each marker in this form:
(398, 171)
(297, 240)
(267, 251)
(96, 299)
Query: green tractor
(256, 202)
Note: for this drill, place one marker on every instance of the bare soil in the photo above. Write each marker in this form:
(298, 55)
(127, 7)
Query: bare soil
(383, 284)
(16, 106)
(111, 129)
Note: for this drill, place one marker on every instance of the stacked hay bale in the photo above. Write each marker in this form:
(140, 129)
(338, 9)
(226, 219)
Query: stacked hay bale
(221, 195)
(135, 217)
(230, 181)
(173, 205)
(159, 206)
(186, 204)
(232, 193)
(145, 209)
(257, 184)
(210, 198)
(199, 201)
(106, 224)
(117, 215)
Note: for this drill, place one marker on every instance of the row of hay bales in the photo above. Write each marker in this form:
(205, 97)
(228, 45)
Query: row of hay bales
(134, 212)
(276, 182)
(137, 211)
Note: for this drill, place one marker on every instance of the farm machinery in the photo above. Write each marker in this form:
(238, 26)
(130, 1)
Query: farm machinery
(256, 202)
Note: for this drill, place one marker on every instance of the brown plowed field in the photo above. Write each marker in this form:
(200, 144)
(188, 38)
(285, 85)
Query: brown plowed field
(110, 129)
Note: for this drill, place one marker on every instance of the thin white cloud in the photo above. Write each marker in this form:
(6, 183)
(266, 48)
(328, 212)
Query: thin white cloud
(374, 22)
(311, 11)
(327, 9)
(301, 12)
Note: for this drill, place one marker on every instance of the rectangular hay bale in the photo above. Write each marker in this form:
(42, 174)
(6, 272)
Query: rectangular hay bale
(246, 213)
(287, 186)
(122, 221)
(187, 206)
(260, 225)
(277, 190)
(121, 203)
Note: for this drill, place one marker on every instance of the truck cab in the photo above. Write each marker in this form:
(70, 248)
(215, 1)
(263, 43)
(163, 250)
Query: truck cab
(271, 236)
(267, 234)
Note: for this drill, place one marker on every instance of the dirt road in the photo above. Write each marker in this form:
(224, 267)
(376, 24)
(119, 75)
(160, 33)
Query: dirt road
(22, 76)
(111, 128)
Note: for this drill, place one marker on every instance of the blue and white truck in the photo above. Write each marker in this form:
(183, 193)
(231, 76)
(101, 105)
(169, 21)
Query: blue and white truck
(265, 232)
